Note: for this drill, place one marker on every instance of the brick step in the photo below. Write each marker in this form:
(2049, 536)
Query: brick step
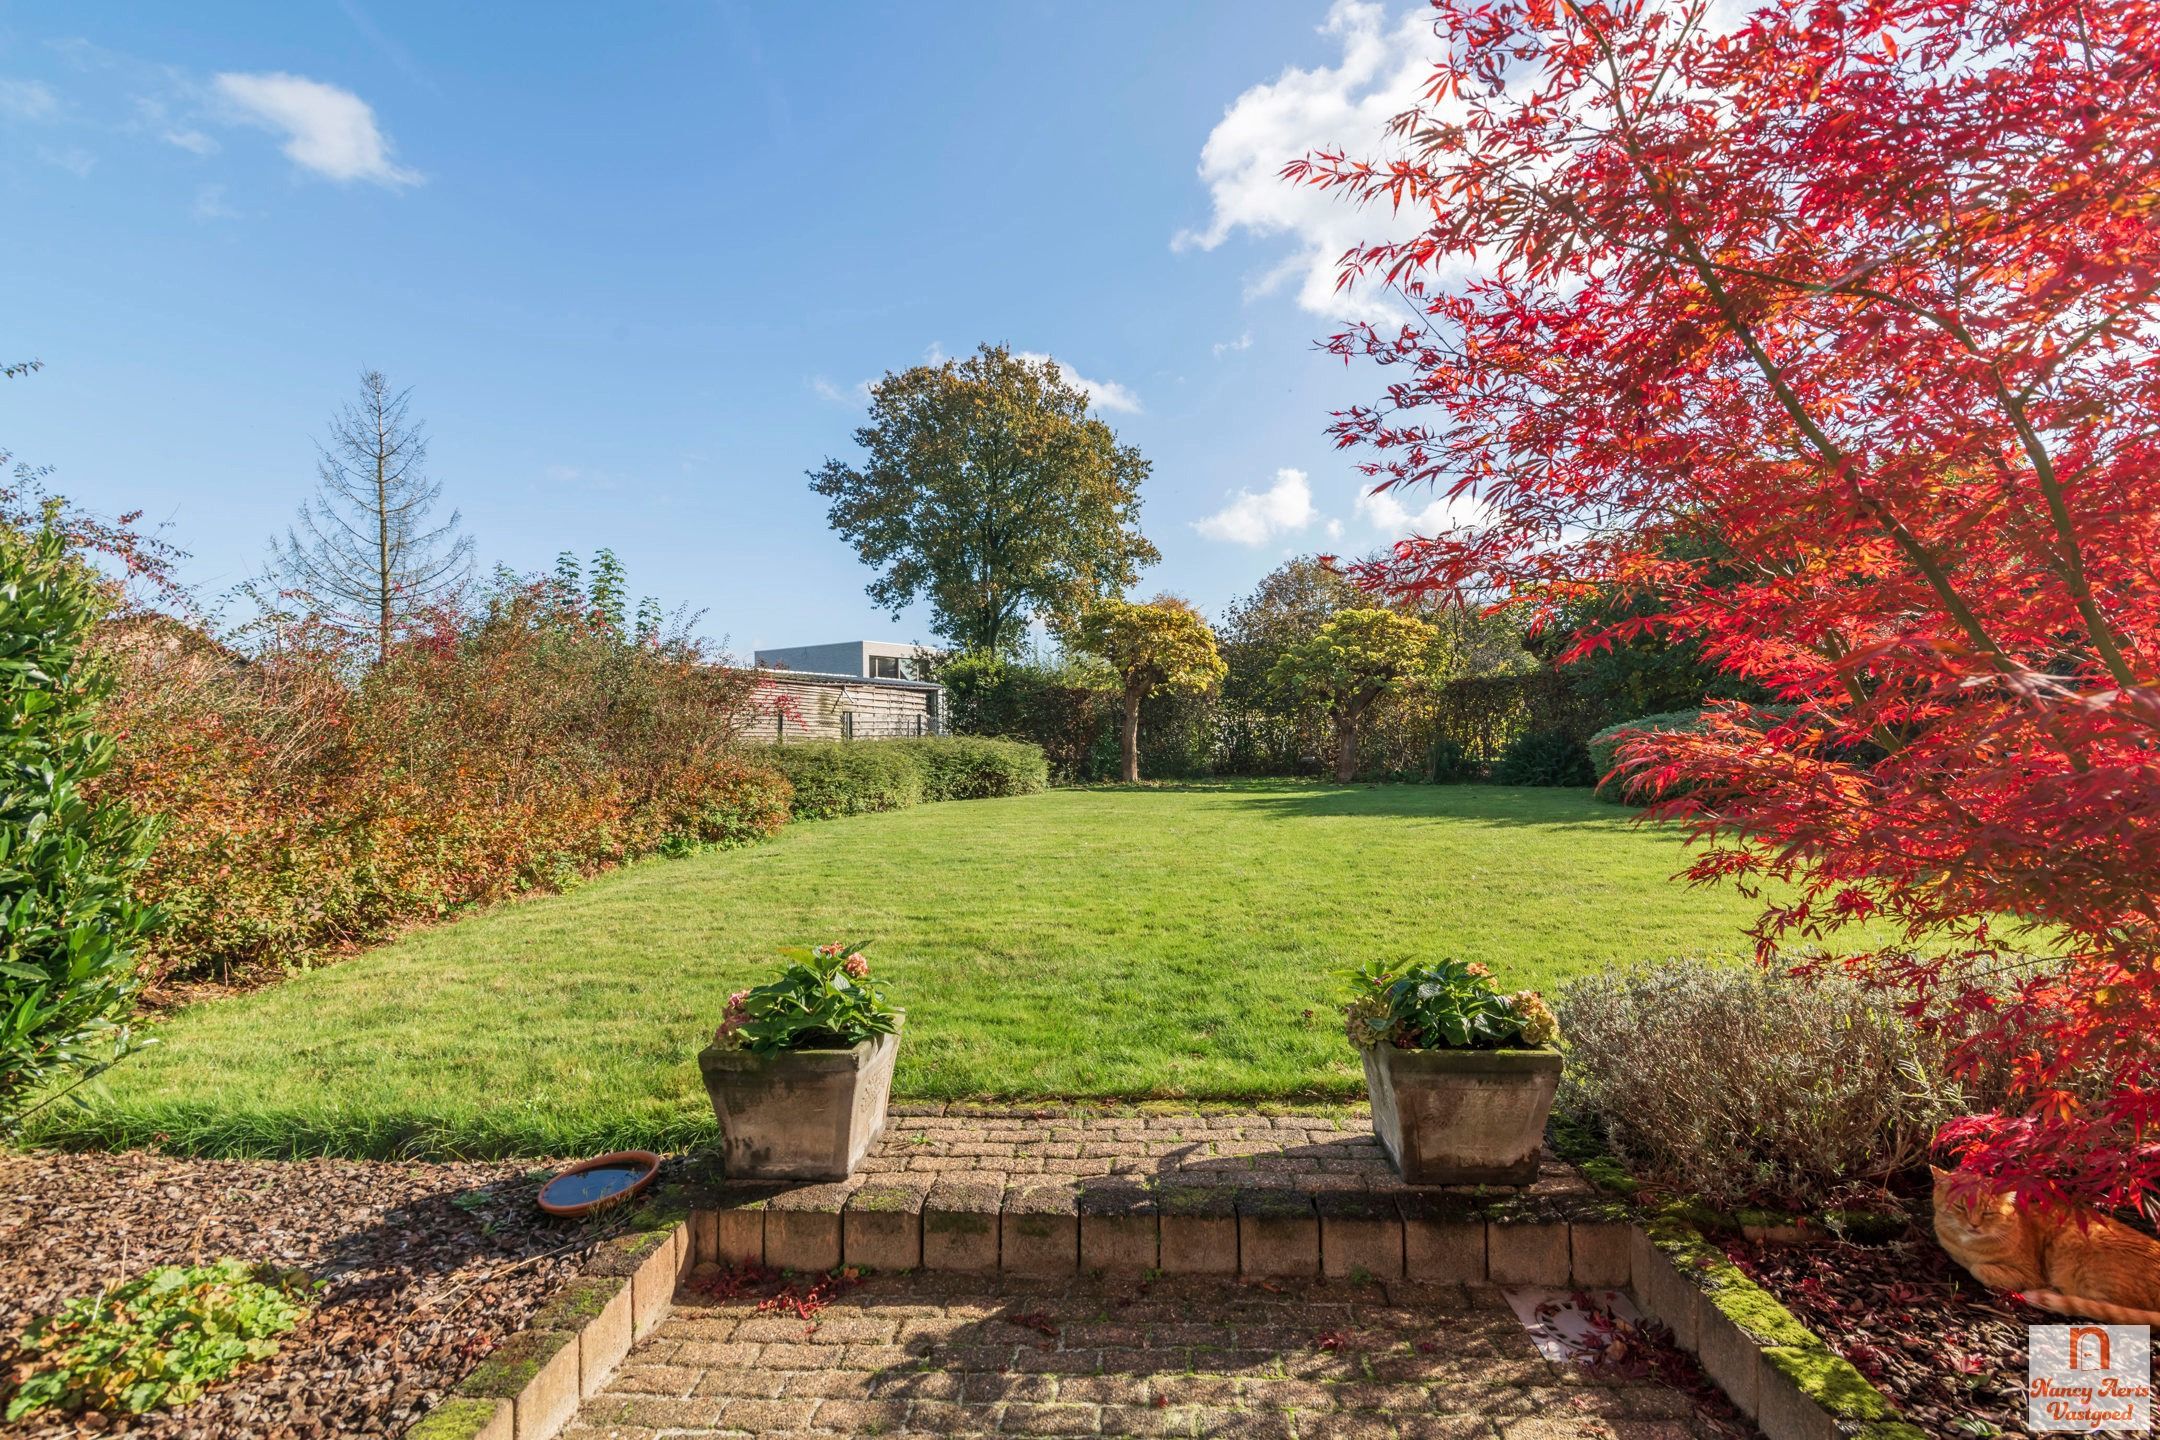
(1555, 1234)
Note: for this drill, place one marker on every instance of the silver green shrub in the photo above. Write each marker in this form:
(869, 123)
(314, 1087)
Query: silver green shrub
(1746, 1086)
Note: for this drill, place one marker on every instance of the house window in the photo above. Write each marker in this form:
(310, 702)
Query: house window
(884, 667)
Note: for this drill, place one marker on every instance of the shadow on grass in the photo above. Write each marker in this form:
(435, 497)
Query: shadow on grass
(1487, 805)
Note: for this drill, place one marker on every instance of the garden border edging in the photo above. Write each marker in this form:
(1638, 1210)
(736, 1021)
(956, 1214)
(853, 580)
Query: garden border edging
(1778, 1372)
(530, 1386)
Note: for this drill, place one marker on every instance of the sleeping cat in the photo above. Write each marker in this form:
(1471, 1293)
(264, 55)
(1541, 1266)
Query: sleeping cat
(2099, 1269)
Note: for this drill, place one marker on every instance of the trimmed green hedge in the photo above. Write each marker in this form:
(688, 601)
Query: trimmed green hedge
(858, 777)
(1604, 746)
(844, 777)
(971, 767)
(1544, 757)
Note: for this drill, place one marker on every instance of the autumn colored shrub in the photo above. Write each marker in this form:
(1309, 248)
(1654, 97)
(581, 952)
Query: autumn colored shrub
(1827, 333)
(1162, 647)
(311, 803)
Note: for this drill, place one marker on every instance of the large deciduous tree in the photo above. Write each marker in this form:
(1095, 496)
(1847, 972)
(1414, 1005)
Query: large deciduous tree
(1286, 608)
(366, 556)
(988, 489)
(1162, 645)
(1861, 300)
(1353, 660)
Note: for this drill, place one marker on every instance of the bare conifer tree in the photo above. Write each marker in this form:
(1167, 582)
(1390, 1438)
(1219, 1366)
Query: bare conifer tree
(363, 555)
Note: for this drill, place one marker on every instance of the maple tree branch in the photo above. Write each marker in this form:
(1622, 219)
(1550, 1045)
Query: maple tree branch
(1900, 534)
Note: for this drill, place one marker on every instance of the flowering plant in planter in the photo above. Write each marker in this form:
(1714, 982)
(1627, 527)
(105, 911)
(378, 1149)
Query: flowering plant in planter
(1444, 1005)
(822, 1000)
(800, 1070)
(1461, 1075)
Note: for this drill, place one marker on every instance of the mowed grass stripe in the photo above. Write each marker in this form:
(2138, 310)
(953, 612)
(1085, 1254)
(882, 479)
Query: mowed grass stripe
(1159, 943)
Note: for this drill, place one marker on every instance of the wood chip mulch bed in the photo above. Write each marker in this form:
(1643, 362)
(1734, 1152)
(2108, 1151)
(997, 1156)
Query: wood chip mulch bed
(1948, 1353)
(426, 1268)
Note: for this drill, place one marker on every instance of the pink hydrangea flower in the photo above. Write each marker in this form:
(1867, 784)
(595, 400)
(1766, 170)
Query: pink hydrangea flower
(856, 965)
(737, 1001)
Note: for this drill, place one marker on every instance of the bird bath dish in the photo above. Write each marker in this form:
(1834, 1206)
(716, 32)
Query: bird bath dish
(599, 1182)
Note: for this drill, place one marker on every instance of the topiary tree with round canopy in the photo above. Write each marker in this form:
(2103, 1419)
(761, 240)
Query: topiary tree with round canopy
(1162, 645)
(1355, 659)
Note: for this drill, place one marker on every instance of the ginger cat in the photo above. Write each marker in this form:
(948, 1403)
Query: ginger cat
(2077, 1263)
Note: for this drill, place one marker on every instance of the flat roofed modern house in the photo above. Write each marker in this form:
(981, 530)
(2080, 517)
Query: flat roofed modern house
(855, 690)
(871, 659)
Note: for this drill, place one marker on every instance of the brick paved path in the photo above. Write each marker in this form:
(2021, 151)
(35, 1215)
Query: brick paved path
(1321, 1147)
(967, 1355)
(1079, 1190)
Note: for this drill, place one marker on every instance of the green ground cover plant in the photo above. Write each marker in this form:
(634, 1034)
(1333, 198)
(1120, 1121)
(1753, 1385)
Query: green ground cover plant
(1175, 943)
(157, 1341)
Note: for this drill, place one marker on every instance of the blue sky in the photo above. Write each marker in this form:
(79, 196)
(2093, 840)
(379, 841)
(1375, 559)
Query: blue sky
(636, 262)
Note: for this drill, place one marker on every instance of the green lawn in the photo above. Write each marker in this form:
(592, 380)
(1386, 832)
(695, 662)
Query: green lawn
(1158, 943)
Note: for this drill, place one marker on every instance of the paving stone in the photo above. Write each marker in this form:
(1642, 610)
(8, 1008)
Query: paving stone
(1039, 1230)
(1598, 1254)
(1361, 1234)
(1527, 1254)
(653, 1283)
(881, 1228)
(1439, 1245)
(1665, 1294)
(1199, 1229)
(960, 1224)
(1278, 1233)
(1120, 1227)
(802, 1226)
(733, 1225)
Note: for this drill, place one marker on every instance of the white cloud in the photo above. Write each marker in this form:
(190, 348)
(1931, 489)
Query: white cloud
(1254, 517)
(853, 397)
(1385, 512)
(210, 204)
(1102, 394)
(1225, 347)
(72, 158)
(28, 100)
(1383, 64)
(192, 141)
(327, 130)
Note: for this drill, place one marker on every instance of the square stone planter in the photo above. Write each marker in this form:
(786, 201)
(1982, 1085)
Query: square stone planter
(1462, 1117)
(798, 1114)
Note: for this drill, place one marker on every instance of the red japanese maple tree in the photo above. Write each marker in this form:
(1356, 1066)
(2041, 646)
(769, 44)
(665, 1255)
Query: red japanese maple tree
(1834, 329)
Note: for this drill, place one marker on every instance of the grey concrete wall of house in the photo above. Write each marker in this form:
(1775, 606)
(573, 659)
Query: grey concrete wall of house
(848, 657)
(795, 705)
